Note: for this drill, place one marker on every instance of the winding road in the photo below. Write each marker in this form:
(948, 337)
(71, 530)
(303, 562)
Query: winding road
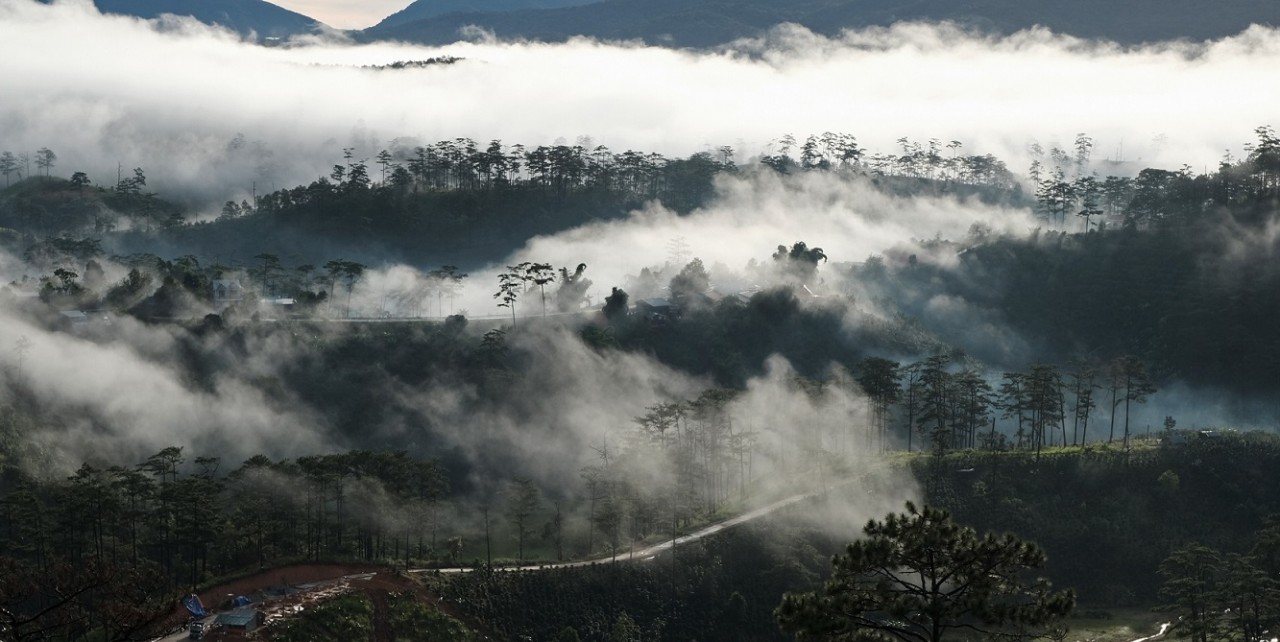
(648, 553)
(1164, 628)
(641, 555)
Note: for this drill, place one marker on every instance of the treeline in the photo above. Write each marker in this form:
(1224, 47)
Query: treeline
(464, 165)
(928, 160)
(352, 616)
(1220, 595)
(20, 163)
(1117, 526)
(1109, 517)
(951, 410)
(1067, 191)
(1180, 275)
(942, 402)
(175, 524)
(456, 191)
(464, 194)
(182, 287)
(458, 197)
(451, 189)
(410, 183)
(722, 588)
(52, 207)
(687, 462)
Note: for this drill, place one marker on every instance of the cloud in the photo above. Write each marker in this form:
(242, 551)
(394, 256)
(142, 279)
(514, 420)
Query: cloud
(102, 90)
(120, 400)
(211, 117)
(849, 218)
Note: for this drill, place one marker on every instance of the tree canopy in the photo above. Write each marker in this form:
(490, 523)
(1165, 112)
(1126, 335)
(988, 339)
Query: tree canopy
(920, 577)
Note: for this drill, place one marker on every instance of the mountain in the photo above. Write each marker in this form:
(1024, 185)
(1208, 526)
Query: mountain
(426, 9)
(707, 23)
(242, 16)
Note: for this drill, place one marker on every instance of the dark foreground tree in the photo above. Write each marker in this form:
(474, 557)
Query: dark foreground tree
(1191, 576)
(919, 577)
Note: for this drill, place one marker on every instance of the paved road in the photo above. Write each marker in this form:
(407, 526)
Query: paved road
(1164, 628)
(641, 555)
(648, 553)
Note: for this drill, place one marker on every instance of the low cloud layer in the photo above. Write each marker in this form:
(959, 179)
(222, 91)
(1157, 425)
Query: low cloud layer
(172, 96)
(849, 219)
(211, 118)
(120, 400)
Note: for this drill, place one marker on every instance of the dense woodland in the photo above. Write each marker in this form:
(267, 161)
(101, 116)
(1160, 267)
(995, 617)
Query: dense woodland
(1131, 285)
(1139, 515)
(461, 199)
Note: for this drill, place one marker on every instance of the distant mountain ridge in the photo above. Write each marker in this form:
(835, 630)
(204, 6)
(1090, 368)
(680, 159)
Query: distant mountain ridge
(242, 16)
(707, 23)
(426, 9)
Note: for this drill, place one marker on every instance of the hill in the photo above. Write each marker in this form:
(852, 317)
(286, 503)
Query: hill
(425, 9)
(242, 16)
(707, 23)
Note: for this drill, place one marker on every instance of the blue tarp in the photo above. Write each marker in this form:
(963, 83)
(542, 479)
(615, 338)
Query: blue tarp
(192, 602)
(240, 601)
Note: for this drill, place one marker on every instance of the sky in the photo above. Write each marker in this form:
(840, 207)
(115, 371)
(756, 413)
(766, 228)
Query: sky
(345, 14)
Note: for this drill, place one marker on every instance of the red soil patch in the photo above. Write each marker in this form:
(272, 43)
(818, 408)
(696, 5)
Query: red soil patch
(216, 597)
(377, 587)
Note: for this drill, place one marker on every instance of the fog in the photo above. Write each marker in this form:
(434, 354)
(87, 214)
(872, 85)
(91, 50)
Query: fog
(119, 401)
(212, 118)
(171, 96)
(116, 393)
(850, 219)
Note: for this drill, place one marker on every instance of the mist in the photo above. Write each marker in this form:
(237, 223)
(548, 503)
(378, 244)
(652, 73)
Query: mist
(368, 323)
(749, 217)
(120, 400)
(211, 117)
(121, 394)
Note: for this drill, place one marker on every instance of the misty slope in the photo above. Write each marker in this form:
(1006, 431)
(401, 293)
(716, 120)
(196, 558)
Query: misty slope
(704, 23)
(241, 16)
(425, 9)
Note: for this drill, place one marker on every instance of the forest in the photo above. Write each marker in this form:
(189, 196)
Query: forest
(331, 409)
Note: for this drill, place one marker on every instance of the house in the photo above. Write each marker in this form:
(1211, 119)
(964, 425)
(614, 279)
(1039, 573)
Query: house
(74, 319)
(655, 310)
(279, 306)
(238, 622)
(82, 320)
(225, 292)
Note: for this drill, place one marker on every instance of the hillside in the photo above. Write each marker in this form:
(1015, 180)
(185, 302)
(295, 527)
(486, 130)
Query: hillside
(425, 9)
(1106, 518)
(242, 16)
(707, 23)
(334, 411)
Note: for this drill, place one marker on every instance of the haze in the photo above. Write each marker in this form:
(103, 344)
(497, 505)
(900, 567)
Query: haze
(171, 96)
(345, 14)
(211, 117)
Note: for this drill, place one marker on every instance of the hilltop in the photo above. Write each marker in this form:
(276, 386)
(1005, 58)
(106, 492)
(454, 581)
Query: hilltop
(708, 23)
(245, 17)
(426, 9)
